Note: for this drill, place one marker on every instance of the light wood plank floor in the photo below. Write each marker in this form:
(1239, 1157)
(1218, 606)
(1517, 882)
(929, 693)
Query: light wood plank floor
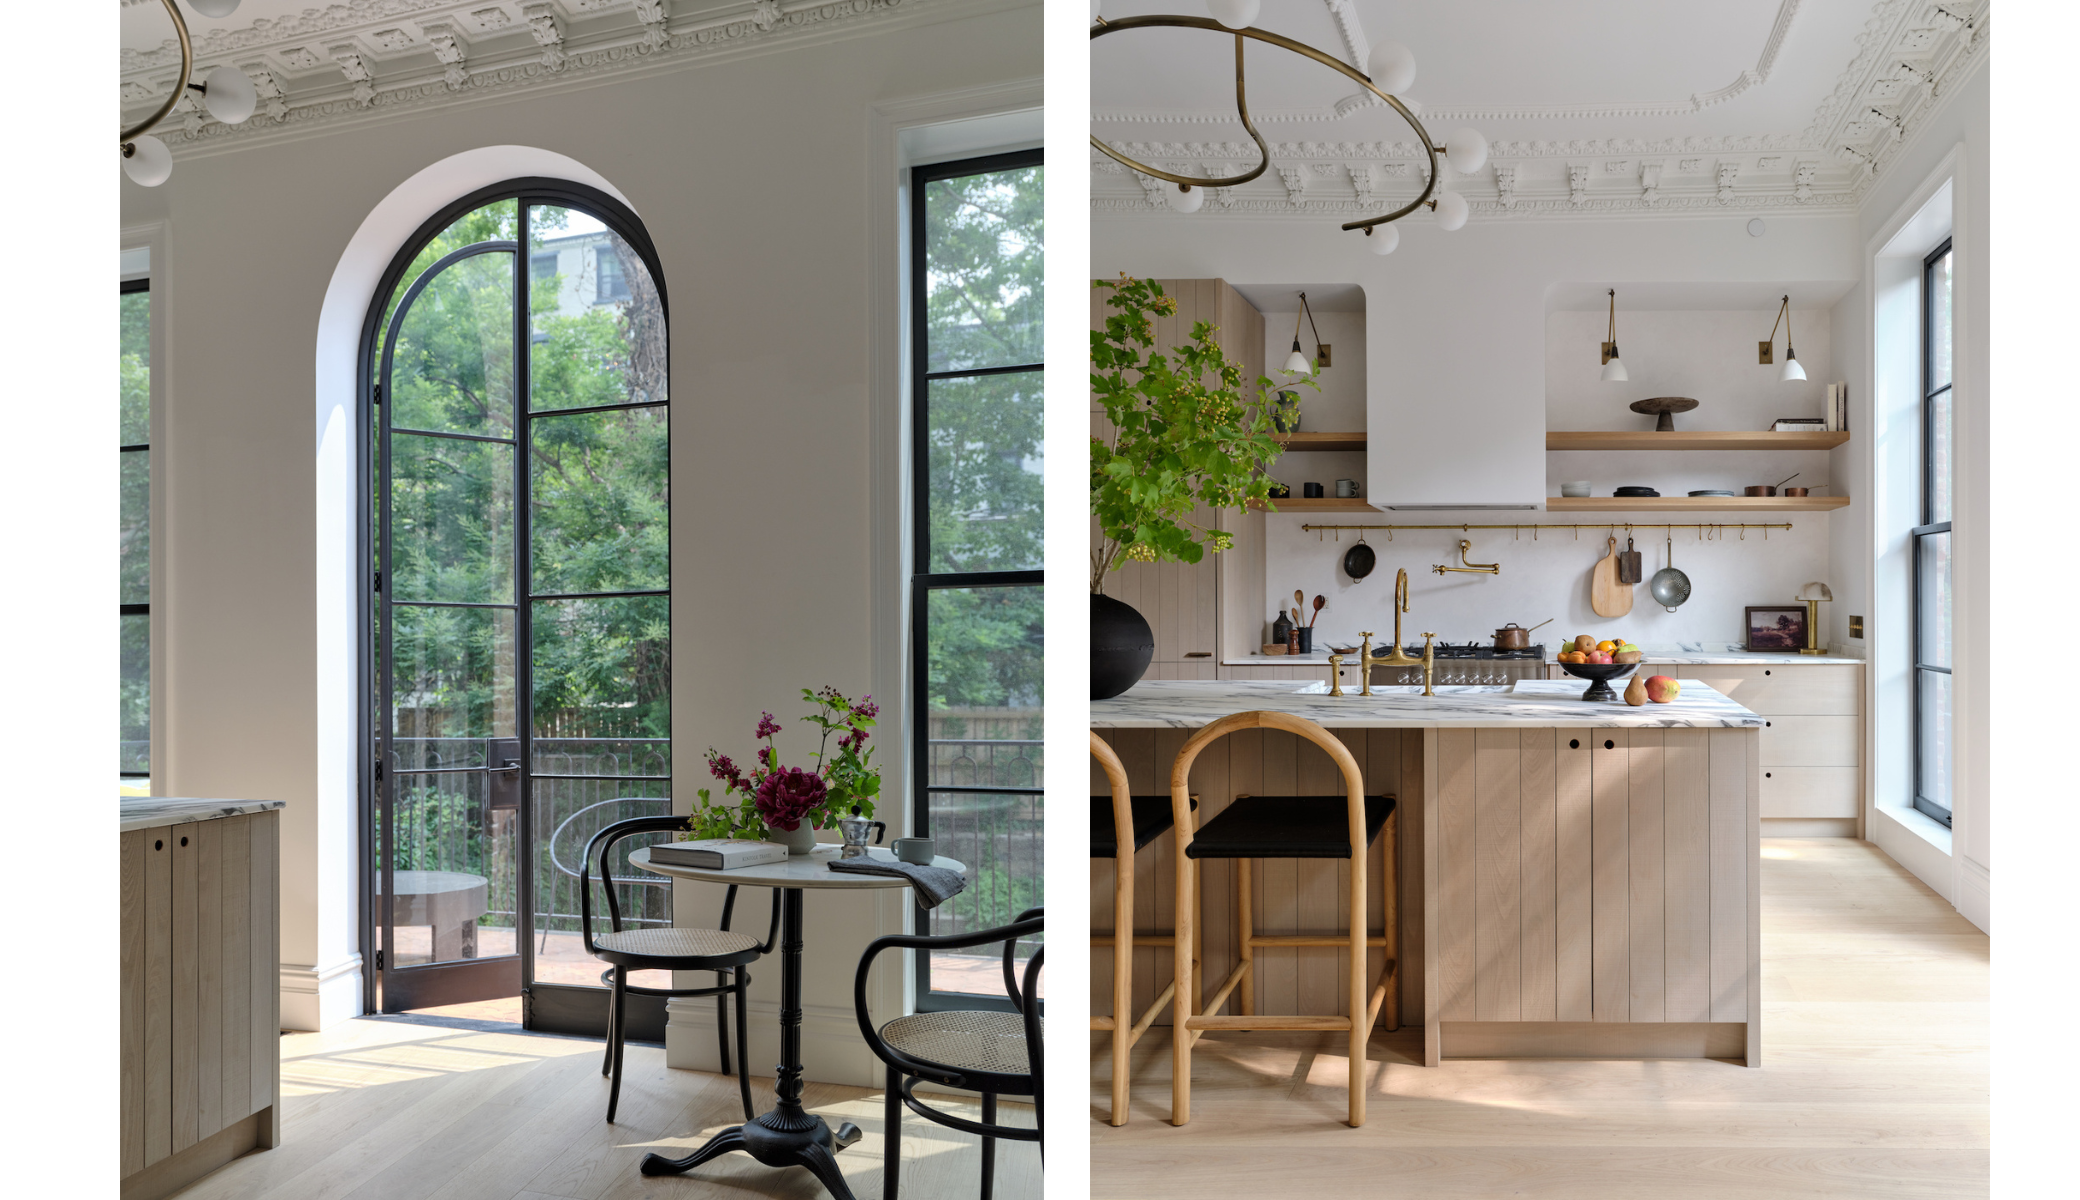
(1873, 1083)
(385, 1109)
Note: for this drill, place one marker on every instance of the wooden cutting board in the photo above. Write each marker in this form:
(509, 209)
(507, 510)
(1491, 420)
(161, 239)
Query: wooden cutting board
(1606, 595)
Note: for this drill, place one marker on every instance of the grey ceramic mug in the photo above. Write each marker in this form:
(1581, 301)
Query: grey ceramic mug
(919, 850)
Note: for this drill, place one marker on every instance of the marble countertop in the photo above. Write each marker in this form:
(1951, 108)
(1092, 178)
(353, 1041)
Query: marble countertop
(1534, 703)
(1651, 654)
(152, 812)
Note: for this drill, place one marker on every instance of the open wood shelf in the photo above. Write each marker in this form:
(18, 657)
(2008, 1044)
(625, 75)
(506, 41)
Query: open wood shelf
(1647, 439)
(1325, 504)
(1305, 440)
(1747, 504)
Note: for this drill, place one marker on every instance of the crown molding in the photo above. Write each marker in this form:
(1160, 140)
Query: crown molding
(376, 61)
(1909, 58)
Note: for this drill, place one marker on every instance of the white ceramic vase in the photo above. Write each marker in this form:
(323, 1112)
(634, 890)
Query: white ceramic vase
(801, 841)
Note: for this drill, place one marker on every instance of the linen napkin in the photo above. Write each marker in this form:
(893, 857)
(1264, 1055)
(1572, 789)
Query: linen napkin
(934, 885)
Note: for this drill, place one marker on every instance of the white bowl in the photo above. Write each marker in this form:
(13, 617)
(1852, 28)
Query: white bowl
(1575, 489)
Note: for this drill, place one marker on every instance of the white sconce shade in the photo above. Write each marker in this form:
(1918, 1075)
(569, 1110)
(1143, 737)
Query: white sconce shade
(1792, 372)
(1184, 201)
(1466, 150)
(214, 8)
(1235, 14)
(1614, 371)
(1392, 67)
(149, 163)
(229, 95)
(1815, 591)
(1382, 239)
(1297, 364)
(1452, 211)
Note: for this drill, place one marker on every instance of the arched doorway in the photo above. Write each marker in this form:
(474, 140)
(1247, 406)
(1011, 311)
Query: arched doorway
(517, 629)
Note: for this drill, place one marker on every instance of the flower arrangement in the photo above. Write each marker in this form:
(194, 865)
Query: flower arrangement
(772, 796)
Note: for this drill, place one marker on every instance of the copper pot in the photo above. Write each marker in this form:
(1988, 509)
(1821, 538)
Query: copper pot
(1759, 490)
(1794, 491)
(1515, 637)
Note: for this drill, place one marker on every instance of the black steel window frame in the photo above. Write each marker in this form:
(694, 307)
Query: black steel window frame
(922, 581)
(1930, 393)
(132, 287)
(559, 1008)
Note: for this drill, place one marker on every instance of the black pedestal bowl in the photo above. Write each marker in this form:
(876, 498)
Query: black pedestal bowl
(1600, 675)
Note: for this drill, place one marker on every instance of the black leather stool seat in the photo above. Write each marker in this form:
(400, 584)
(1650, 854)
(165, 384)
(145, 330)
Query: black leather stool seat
(1151, 818)
(1287, 827)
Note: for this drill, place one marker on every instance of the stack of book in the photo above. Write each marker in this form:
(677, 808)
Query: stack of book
(1835, 419)
(718, 854)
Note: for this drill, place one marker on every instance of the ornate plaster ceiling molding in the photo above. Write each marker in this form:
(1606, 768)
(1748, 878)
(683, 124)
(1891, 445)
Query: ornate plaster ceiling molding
(376, 60)
(1908, 53)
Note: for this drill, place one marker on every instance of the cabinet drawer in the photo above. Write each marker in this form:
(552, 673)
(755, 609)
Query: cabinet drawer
(1792, 691)
(1811, 741)
(1809, 791)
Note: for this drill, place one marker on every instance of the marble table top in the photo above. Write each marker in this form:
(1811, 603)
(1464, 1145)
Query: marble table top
(1529, 703)
(811, 870)
(152, 812)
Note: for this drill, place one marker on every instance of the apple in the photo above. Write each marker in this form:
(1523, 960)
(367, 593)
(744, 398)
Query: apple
(1663, 690)
(1599, 656)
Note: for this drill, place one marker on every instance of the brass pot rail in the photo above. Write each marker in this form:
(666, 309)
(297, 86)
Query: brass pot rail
(1614, 527)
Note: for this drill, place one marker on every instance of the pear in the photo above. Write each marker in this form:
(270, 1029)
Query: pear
(1636, 694)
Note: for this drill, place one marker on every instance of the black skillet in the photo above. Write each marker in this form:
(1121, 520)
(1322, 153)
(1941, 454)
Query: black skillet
(1358, 561)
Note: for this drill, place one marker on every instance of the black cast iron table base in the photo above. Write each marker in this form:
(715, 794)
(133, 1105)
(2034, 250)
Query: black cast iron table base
(787, 1135)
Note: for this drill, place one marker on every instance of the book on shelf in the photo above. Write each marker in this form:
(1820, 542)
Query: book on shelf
(718, 854)
(1798, 425)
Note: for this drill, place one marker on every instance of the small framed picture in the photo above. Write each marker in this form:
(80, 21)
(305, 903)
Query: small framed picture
(1776, 628)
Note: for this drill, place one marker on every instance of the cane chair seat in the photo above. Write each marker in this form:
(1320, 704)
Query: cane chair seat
(965, 1040)
(676, 943)
(1287, 827)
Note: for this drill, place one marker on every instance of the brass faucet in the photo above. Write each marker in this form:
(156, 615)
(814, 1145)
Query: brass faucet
(1429, 665)
(1336, 675)
(1468, 566)
(1397, 658)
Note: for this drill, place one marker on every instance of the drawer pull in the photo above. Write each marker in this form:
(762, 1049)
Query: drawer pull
(1574, 743)
(1765, 670)
(157, 844)
(1766, 775)
(184, 841)
(1609, 745)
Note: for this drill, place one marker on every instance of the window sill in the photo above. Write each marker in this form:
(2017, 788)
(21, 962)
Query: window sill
(1920, 824)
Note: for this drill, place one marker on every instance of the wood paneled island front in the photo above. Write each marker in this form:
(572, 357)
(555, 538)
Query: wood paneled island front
(1574, 879)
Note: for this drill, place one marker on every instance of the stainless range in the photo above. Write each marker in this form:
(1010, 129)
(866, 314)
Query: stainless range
(1471, 663)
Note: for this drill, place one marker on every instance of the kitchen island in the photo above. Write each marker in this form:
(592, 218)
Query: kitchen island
(1574, 879)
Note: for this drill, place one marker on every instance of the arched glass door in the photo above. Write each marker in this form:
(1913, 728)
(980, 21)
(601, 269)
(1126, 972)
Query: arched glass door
(519, 619)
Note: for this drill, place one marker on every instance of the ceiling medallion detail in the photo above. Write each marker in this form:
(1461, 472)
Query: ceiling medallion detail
(1393, 70)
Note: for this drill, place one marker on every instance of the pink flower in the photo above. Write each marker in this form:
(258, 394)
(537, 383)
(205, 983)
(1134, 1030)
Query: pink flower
(767, 727)
(786, 796)
(866, 708)
(720, 766)
(853, 740)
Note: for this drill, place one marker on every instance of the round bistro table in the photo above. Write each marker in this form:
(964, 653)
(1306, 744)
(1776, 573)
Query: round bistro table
(785, 1135)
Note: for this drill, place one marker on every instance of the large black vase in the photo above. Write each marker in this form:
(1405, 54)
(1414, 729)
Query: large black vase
(1121, 645)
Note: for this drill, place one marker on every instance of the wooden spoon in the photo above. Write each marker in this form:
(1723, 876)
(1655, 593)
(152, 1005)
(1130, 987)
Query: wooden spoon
(1320, 602)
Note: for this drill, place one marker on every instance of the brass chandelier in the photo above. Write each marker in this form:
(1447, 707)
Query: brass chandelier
(1393, 70)
(227, 93)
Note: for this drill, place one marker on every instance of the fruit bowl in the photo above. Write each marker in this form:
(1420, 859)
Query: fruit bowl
(1600, 675)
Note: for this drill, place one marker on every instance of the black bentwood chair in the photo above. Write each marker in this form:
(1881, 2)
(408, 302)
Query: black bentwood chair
(722, 951)
(995, 1053)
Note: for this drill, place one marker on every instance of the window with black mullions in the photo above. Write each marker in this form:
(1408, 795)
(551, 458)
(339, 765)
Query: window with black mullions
(134, 606)
(977, 631)
(1934, 598)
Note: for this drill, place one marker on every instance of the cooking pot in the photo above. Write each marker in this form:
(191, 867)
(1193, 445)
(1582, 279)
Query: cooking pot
(1515, 637)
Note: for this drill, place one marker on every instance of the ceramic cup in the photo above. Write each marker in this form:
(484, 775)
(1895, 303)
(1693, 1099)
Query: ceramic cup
(1346, 488)
(1575, 489)
(1311, 491)
(915, 850)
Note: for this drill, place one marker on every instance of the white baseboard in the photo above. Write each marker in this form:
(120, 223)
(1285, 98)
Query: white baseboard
(1919, 844)
(316, 998)
(1975, 892)
(832, 1051)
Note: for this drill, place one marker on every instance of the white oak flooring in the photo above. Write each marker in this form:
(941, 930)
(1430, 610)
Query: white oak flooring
(1873, 1083)
(387, 1109)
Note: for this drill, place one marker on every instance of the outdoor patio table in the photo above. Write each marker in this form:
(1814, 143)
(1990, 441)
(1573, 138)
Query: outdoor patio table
(786, 1135)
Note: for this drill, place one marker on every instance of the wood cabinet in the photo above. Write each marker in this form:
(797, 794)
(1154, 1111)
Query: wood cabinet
(199, 1005)
(1582, 878)
(1812, 748)
(1192, 606)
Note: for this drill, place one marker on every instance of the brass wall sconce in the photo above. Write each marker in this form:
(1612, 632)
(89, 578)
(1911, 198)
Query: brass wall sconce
(1764, 351)
(1613, 367)
(1296, 362)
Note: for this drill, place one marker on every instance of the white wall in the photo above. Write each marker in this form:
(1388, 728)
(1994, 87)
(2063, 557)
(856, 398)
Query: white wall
(752, 175)
(1870, 543)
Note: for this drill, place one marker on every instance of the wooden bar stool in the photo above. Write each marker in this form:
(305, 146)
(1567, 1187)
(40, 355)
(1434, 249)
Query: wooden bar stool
(1281, 827)
(1123, 819)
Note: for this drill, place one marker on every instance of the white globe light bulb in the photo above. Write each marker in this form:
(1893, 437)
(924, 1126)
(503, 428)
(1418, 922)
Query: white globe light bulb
(229, 95)
(1792, 372)
(1384, 239)
(214, 8)
(1466, 150)
(1392, 67)
(1452, 211)
(1186, 202)
(1235, 14)
(149, 162)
